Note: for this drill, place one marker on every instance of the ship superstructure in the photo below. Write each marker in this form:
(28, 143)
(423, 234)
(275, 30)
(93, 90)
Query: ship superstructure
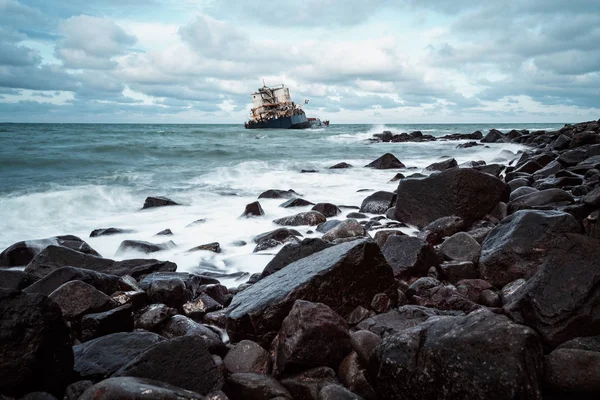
(272, 107)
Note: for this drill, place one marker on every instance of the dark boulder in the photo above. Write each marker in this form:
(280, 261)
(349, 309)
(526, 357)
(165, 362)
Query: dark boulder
(363, 343)
(589, 343)
(562, 300)
(248, 356)
(494, 136)
(312, 335)
(492, 169)
(327, 209)
(184, 362)
(143, 247)
(593, 198)
(561, 143)
(110, 231)
(382, 236)
(356, 215)
(310, 218)
(342, 277)
(296, 202)
(250, 386)
(98, 359)
(118, 319)
(153, 317)
(293, 252)
(341, 165)
(454, 271)
(279, 235)
(14, 279)
(337, 392)
(348, 228)
(253, 210)
(461, 247)
(77, 389)
(76, 298)
(21, 253)
(529, 167)
(180, 325)
(404, 317)
(464, 354)
(573, 373)
(106, 283)
(164, 232)
(278, 194)
(159, 201)
(386, 161)
(354, 376)
(35, 346)
(54, 257)
(542, 198)
(215, 247)
(410, 256)
(465, 193)
(169, 289)
(308, 384)
(128, 388)
(442, 165)
(437, 230)
(378, 203)
(520, 243)
(521, 191)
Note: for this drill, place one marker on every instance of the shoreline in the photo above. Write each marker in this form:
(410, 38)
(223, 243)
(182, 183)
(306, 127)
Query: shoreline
(345, 315)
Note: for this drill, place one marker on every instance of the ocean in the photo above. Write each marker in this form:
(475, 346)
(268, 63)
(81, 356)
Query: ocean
(58, 179)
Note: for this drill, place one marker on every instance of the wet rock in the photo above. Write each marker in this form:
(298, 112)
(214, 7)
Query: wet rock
(489, 298)
(158, 201)
(118, 319)
(397, 177)
(278, 194)
(248, 356)
(253, 210)
(196, 223)
(593, 198)
(454, 271)
(77, 298)
(166, 289)
(585, 165)
(54, 257)
(493, 136)
(561, 143)
(310, 218)
(35, 347)
(409, 256)
(98, 359)
(180, 325)
(153, 317)
(382, 236)
(200, 306)
(308, 171)
(378, 203)
(308, 384)
(442, 165)
(76, 390)
(589, 343)
(468, 145)
(14, 279)
(342, 277)
(249, 386)
(312, 335)
(461, 247)
(357, 315)
(543, 197)
(521, 191)
(327, 225)
(164, 232)
(337, 392)
(492, 169)
(465, 193)
(293, 252)
(124, 388)
(381, 303)
(268, 244)
(110, 231)
(440, 228)
(573, 264)
(520, 243)
(143, 247)
(517, 183)
(591, 226)
(572, 373)
(21, 253)
(356, 215)
(528, 167)
(103, 282)
(508, 291)
(349, 228)
(465, 355)
(184, 362)
(296, 202)
(215, 247)
(354, 376)
(549, 169)
(327, 209)
(363, 343)
(341, 166)
(386, 161)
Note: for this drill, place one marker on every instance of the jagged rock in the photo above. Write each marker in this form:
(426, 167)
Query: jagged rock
(180, 325)
(270, 243)
(455, 271)
(493, 136)
(386, 161)
(215, 247)
(520, 243)
(409, 256)
(342, 277)
(158, 201)
(442, 165)
(76, 298)
(341, 166)
(464, 354)
(572, 373)
(35, 346)
(166, 289)
(382, 236)
(327, 209)
(253, 210)
(153, 317)
(119, 319)
(354, 376)
(310, 218)
(312, 335)
(378, 203)
(465, 193)
(184, 362)
(296, 202)
(248, 356)
(164, 232)
(110, 231)
(561, 143)
(294, 252)
(492, 169)
(125, 388)
(249, 386)
(593, 198)
(98, 359)
(509, 290)
(103, 282)
(21, 253)
(461, 247)
(200, 306)
(278, 194)
(349, 228)
(54, 257)
(440, 228)
(308, 384)
(573, 262)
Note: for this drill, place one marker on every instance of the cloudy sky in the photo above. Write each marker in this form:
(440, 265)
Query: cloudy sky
(377, 61)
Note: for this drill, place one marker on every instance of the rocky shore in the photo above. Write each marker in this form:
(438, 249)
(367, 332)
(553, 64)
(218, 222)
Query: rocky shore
(497, 295)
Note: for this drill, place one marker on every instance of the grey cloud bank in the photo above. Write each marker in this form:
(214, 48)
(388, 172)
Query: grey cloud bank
(425, 61)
